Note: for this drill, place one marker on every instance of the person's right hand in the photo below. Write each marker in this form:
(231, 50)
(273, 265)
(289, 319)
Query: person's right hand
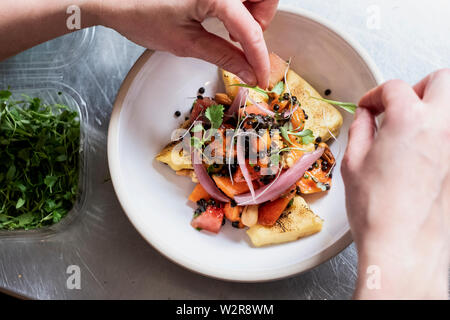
(175, 26)
(398, 188)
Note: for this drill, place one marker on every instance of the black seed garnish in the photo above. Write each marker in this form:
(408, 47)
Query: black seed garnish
(199, 97)
(177, 113)
(201, 90)
(327, 92)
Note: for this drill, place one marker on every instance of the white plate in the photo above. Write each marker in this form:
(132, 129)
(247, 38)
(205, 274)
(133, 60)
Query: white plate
(155, 199)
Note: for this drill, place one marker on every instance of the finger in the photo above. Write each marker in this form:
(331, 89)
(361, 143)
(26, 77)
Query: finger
(435, 87)
(360, 138)
(244, 28)
(262, 10)
(420, 87)
(216, 50)
(390, 97)
(232, 38)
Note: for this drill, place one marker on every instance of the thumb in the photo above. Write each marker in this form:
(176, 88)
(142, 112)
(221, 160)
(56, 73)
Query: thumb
(360, 139)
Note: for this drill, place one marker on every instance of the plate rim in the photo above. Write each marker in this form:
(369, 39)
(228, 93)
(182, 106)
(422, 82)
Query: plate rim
(338, 246)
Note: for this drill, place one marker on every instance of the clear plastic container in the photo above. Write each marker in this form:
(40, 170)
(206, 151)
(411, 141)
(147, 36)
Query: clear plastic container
(40, 78)
(50, 55)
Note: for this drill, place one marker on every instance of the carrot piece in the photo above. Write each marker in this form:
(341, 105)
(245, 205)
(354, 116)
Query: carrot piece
(308, 185)
(230, 189)
(239, 177)
(298, 119)
(254, 109)
(269, 212)
(232, 213)
(199, 193)
(262, 143)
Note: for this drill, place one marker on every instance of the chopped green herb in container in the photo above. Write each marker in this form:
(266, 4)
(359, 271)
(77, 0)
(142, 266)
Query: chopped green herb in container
(39, 162)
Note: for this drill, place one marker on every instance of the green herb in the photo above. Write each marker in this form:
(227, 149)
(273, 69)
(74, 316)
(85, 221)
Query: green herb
(347, 106)
(215, 115)
(256, 88)
(306, 135)
(285, 135)
(197, 128)
(290, 203)
(275, 158)
(197, 143)
(277, 89)
(39, 159)
(211, 169)
(307, 139)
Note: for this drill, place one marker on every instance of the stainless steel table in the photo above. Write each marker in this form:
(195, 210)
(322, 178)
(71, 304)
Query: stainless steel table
(115, 262)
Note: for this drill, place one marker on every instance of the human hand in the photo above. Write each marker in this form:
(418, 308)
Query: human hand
(175, 26)
(398, 188)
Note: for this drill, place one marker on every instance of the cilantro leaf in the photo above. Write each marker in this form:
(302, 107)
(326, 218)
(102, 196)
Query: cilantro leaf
(307, 139)
(215, 115)
(197, 128)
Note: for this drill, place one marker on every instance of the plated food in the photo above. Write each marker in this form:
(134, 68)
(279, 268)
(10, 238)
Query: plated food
(254, 153)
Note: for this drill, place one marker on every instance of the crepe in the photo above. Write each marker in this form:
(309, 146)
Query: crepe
(322, 116)
(295, 222)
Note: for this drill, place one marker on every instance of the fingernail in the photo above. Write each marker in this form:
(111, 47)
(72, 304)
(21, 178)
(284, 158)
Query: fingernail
(248, 77)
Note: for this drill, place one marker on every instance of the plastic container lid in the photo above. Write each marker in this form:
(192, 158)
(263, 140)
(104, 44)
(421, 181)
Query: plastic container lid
(50, 55)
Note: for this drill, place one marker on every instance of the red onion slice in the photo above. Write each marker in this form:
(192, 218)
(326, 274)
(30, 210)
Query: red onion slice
(284, 182)
(240, 150)
(256, 104)
(291, 112)
(205, 180)
(238, 101)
